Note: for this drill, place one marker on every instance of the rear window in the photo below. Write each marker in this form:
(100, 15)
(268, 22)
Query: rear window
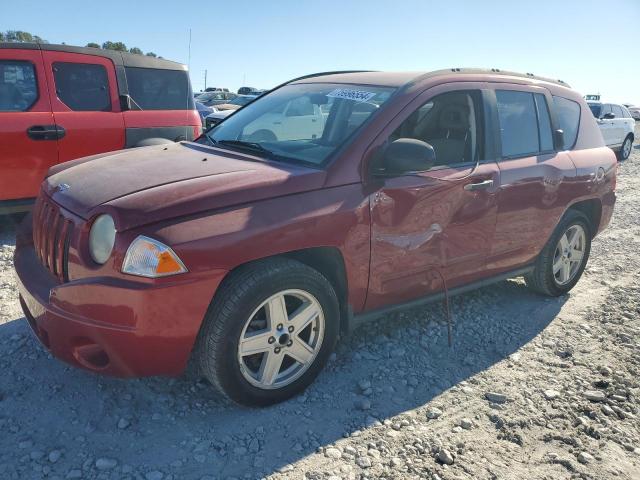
(18, 87)
(83, 87)
(568, 114)
(157, 89)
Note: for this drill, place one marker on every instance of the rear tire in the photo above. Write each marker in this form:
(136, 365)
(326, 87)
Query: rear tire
(625, 149)
(256, 321)
(556, 272)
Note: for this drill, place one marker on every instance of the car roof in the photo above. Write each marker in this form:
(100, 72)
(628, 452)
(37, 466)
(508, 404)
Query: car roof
(402, 79)
(119, 58)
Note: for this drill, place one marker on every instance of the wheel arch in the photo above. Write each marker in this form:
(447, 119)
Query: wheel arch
(592, 209)
(329, 262)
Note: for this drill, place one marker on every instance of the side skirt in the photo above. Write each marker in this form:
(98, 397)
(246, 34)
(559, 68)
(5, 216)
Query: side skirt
(355, 321)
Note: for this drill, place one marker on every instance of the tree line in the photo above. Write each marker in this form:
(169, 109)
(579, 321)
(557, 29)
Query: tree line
(26, 37)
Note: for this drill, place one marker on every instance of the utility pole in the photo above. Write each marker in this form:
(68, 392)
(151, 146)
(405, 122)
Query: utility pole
(205, 80)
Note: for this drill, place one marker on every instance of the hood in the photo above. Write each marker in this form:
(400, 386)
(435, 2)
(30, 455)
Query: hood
(150, 184)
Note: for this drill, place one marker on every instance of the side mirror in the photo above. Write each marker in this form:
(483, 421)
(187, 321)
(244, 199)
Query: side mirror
(609, 116)
(405, 156)
(558, 138)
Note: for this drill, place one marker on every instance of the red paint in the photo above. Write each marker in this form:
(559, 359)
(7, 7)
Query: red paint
(24, 161)
(393, 234)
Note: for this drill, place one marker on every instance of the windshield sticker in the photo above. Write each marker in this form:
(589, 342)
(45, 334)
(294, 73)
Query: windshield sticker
(355, 95)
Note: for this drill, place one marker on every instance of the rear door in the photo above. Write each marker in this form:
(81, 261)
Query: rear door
(430, 226)
(29, 137)
(533, 171)
(86, 105)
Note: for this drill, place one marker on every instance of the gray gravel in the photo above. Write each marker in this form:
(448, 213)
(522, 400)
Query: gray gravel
(533, 388)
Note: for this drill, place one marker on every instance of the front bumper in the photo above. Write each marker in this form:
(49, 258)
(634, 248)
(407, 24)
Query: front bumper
(114, 326)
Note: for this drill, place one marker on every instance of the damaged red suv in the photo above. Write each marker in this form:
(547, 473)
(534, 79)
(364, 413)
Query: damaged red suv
(334, 199)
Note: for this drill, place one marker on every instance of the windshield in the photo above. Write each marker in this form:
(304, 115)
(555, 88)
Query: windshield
(302, 123)
(596, 109)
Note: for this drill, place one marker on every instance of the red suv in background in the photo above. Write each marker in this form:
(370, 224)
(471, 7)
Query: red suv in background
(58, 103)
(251, 249)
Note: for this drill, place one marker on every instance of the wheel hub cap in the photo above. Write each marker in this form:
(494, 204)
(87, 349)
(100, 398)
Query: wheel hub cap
(569, 254)
(281, 339)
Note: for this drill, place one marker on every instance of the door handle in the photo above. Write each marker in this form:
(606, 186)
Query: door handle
(479, 186)
(46, 132)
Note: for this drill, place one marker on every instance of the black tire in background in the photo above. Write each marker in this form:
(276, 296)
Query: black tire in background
(625, 149)
(542, 279)
(240, 294)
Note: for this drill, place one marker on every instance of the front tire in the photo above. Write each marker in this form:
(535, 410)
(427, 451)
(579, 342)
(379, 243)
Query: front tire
(625, 149)
(562, 261)
(269, 332)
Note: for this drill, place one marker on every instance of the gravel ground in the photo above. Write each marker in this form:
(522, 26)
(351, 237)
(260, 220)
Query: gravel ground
(532, 388)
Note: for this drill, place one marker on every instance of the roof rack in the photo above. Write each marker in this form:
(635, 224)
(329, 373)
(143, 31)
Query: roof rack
(502, 72)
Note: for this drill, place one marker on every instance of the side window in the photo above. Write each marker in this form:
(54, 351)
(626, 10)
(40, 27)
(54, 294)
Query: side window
(158, 89)
(18, 86)
(568, 114)
(452, 123)
(518, 123)
(625, 112)
(606, 108)
(82, 87)
(300, 107)
(617, 111)
(544, 123)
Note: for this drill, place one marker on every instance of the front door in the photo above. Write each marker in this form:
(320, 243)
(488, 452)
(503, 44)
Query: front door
(29, 143)
(86, 105)
(436, 226)
(607, 128)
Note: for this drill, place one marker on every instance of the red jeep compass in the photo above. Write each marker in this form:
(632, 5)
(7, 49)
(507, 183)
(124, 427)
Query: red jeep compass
(58, 103)
(334, 199)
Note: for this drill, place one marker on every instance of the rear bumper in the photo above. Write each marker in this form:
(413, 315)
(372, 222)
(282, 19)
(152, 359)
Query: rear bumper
(114, 326)
(608, 202)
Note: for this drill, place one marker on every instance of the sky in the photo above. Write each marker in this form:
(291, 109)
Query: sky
(590, 44)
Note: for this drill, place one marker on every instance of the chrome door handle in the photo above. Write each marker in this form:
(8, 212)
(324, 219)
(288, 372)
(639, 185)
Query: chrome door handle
(479, 186)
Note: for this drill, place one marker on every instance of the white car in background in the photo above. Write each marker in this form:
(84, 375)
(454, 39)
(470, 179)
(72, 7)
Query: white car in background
(617, 126)
(297, 119)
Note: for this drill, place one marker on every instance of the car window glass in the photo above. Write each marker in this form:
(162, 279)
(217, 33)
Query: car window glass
(595, 108)
(327, 116)
(451, 123)
(625, 112)
(18, 86)
(606, 108)
(300, 107)
(82, 86)
(544, 123)
(158, 89)
(518, 123)
(617, 111)
(568, 115)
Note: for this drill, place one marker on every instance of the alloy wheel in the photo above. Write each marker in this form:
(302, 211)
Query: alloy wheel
(569, 254)
(281, 339)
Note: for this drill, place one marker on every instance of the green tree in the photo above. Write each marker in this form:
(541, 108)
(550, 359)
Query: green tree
(119, 46)
(151, 54)
(93, 45)
(20, 36)
(135, 50)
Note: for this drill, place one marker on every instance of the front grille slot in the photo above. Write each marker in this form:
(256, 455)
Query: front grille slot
(51, 237)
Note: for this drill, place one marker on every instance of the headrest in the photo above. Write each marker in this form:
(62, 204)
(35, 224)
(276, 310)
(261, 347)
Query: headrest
(454, 117)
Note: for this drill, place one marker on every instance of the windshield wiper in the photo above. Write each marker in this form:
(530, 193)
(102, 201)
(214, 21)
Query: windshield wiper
(253, 146)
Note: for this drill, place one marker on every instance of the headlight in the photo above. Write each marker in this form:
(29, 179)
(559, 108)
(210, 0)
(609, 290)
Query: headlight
(101, 238)
(147, 257)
